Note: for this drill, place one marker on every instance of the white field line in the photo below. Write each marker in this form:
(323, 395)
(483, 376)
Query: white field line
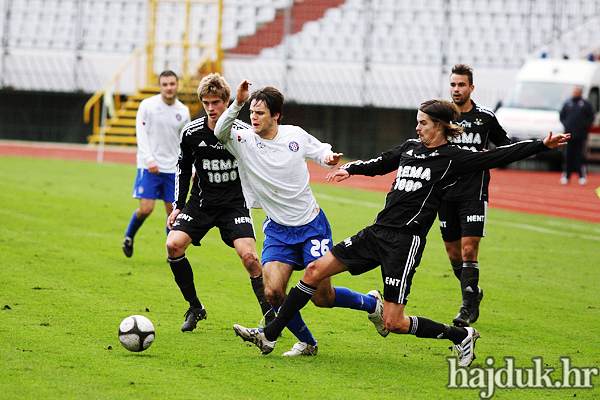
(547, 230)
(353, 202)
(585, 231)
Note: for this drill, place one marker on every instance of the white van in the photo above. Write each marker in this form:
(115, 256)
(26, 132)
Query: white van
(541, 87)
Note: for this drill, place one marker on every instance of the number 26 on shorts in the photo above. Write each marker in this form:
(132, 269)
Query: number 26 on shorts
(319, 247)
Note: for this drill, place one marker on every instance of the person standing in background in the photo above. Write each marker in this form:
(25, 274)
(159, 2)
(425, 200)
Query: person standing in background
(577, 115)
(158, 122)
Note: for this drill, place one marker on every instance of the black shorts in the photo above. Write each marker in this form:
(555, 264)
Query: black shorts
(233, 223)
(459, 219)
(398, 253)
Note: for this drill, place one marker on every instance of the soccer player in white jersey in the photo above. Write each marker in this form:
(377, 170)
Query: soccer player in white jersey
(215, 200)
(272, 165)
(158, 122)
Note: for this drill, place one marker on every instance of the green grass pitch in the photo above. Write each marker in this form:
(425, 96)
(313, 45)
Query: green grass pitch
(65, 286)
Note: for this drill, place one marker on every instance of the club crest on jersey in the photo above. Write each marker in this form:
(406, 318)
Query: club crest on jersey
(478, 121)
(294, 146)
(260, 145)
(240, 140)
(178, 116)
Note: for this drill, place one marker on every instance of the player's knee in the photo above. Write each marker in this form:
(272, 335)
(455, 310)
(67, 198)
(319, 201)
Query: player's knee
(144, 211)
(313, 274)
(397, 325)
(469, 254)
(251, 264)
(455, 259)
(174, 247)
(275, 296)
(470, 251)
(454, 255)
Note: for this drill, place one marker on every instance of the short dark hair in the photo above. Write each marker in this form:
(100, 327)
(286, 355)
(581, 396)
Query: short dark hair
(443, 112)
(272, 98)
(464, 69)
(167, 73)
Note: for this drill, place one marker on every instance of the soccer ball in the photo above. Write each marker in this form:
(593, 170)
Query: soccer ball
(136, 333)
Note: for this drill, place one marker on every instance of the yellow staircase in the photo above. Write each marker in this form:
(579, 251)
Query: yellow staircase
(120, 130)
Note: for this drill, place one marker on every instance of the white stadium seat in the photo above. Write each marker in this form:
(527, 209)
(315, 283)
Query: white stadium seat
(401, 33)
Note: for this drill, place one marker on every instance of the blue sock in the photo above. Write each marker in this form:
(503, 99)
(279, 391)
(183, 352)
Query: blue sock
(347, 298)
(134, 225)
(298, 327)
(300, 330)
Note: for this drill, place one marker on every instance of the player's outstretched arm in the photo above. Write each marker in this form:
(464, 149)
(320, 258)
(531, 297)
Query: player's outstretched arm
(338, 175)
(333, 158)
(243, 92)
(557, 140)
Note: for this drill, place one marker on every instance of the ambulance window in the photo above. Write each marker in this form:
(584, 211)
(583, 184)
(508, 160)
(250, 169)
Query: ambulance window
(594, 98)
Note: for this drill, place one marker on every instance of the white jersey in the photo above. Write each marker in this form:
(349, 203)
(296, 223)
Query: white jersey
(274, 173)
(157, 128)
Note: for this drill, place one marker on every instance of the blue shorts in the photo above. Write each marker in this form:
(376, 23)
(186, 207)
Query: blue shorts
(153, 186)
(296, 245)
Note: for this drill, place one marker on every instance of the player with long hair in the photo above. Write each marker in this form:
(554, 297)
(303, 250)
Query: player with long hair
(426, 167)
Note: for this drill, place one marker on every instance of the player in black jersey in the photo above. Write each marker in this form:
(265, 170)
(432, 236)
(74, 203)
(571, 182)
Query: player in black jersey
(463, 212)
(427, 167)
(216, 200)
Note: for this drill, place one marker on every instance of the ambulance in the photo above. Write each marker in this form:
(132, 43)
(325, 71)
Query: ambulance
(540, 89)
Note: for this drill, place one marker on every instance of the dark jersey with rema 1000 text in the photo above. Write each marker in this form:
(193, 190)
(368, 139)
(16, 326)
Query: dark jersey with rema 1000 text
(217, 181)
(480, 128)
(425, 174)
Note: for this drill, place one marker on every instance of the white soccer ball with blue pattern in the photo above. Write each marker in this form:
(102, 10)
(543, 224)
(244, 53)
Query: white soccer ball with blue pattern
(136, 333)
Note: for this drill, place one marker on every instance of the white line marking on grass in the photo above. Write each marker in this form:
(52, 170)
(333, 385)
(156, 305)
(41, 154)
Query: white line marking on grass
(573, 225)
(547, 231)
(348, 201)
(55, 235)
(511, 224)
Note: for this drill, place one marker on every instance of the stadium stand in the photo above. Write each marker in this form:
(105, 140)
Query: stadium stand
(373, 48)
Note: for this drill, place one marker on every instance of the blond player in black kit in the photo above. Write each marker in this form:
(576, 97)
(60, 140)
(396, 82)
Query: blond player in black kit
(464, 207)
(216, 200)
(426, 166)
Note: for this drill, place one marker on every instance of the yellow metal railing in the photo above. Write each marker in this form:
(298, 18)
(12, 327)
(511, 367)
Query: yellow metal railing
(151, 44)
(212, 59)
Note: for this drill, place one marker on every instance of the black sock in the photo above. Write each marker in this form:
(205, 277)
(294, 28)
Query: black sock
(297, 298)
(426, 328)
(184, 277)
(259, 292)
(457, 270)
(469, 279)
